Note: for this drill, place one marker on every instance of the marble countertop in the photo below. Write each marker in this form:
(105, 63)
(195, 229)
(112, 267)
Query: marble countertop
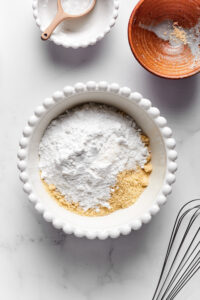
(37, 261)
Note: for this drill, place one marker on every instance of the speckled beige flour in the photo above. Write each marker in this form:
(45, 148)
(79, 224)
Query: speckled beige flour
(178, 33)
(130, 185)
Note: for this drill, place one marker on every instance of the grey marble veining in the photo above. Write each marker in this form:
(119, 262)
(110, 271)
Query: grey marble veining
(37, 261)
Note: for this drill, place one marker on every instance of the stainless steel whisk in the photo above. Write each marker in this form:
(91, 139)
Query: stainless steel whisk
(182, 259)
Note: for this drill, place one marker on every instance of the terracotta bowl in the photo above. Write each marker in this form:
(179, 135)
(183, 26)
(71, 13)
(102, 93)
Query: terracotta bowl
(156, 54)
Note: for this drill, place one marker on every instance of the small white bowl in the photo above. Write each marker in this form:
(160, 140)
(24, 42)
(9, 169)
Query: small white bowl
(80, 32)
(163, 160)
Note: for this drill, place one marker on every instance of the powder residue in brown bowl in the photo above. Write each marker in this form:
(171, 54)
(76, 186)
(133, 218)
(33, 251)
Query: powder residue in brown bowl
(177, 36)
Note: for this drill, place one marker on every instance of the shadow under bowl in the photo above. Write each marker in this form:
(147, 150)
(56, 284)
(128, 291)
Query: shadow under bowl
(156, 54)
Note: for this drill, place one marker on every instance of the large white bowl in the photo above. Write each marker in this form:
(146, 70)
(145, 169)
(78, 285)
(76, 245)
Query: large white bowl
(163, 159)
(80, 32)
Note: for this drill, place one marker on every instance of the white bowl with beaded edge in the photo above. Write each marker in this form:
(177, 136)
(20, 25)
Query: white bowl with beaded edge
(163, 159)
(80, 32)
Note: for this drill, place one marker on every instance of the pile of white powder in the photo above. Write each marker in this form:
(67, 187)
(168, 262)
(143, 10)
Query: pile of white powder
(83, 151)
(76, 7)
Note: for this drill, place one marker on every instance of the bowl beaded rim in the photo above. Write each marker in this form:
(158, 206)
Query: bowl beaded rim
(81, 44)
(159, 121)
(130, 24)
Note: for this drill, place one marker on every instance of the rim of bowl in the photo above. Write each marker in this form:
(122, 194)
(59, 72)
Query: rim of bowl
(85, 43)
(130, 23)
(159, 121)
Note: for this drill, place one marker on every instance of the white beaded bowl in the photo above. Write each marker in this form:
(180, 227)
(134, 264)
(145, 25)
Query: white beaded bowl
(163, 160)
(81, 32)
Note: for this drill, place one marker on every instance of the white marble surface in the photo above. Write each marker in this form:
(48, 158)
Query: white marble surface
(37, 261)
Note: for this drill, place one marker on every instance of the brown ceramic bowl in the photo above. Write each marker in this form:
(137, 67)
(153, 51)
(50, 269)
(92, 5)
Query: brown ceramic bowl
(155, 54)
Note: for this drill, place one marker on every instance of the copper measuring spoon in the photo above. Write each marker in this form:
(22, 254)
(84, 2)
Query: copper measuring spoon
(61, 16)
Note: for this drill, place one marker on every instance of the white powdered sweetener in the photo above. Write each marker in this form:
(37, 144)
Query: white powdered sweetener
(76, 7)
(83, 151)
